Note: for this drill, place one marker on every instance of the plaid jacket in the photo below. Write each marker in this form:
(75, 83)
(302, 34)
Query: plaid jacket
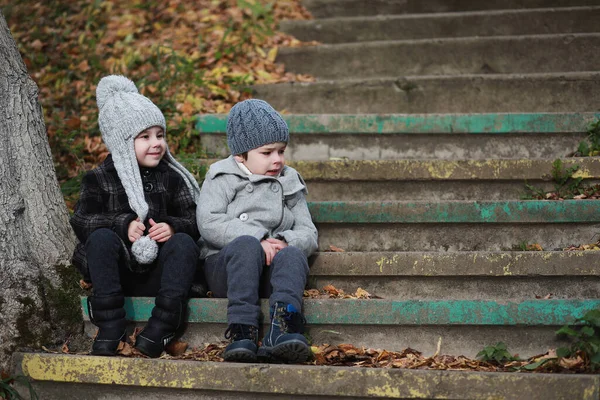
(103, 204)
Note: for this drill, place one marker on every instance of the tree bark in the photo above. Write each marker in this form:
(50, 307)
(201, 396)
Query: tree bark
(36, 240)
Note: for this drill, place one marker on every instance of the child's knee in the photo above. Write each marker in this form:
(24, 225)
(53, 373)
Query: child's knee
(104, 237)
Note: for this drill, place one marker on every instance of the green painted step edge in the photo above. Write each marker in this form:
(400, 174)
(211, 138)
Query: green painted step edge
(420, 123)
(529, 211)
(394, 312)
(330, 382)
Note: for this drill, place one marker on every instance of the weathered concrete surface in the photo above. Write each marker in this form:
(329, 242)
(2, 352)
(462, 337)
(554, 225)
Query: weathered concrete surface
(322, 147)
(472, 55)
(286, 380)
(515, 264)
(394, 170)
(556, 92)
(437, 190)
(453, 237)
(452, 124)
(341, 8)
(394, 312)
(460, 212)
(440, 25)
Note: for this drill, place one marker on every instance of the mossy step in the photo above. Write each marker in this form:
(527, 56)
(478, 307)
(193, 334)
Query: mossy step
(68, 376)
(550, 312)
(451, 124)
(460, 275)
(457, 24)
(455, 56)
(463, 326)
(339, 8)
(452, 212)
(429, 180)
(479, 93)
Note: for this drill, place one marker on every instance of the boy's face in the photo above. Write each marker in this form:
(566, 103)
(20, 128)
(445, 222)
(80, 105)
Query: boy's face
(265, 160)
(150, 146)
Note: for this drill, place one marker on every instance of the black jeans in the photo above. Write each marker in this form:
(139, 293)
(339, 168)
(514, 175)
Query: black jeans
(170, 275)
(238, 272)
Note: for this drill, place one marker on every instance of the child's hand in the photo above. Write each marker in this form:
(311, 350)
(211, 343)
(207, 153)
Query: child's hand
(135, 230)
(160, 232)
(271, 247)
(278, 243)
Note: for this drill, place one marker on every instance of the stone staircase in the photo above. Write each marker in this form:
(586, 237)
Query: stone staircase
(425, 122)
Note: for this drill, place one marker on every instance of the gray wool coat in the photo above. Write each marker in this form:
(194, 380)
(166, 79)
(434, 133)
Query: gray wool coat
(234, 204)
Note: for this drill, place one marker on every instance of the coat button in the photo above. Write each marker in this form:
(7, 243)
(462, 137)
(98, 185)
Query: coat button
(146, 172)
(275, 187)
(148, 187)
(249, 188)
(243, 217)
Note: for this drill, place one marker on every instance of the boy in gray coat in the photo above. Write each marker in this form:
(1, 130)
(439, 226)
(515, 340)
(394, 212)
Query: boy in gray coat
(257, 233)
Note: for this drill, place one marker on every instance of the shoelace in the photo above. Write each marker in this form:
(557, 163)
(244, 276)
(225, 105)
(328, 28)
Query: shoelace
(240, 331)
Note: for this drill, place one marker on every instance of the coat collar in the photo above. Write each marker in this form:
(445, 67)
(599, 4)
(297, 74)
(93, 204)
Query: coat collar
(289, 178)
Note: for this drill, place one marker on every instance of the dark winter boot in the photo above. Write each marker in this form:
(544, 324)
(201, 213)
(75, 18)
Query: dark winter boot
(284, 340)
(167, 316)
(108, 314)
(243, 343)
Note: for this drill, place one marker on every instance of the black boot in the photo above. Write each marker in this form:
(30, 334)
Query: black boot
(108, 314)
(167, 316)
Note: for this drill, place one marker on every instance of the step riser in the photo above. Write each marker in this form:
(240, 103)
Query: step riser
(425, 191)
(183, 379)
(453, 237)
(495, 23)
(464, 340)
(471, 288)
(316, 147)
(439, 95)
(456, 340)
(343, 8)
(570, 53)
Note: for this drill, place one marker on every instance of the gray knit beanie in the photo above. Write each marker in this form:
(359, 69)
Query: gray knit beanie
(123, 114)
(254, 123)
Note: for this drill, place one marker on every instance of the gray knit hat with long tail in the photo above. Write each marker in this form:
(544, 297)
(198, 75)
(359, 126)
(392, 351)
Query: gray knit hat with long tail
(254, 123)
(123, 114)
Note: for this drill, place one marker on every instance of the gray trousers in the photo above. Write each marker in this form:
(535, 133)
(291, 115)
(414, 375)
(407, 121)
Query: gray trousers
(238, 272)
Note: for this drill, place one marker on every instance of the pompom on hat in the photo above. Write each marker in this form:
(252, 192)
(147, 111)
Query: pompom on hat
(123, 114)
(254, 123)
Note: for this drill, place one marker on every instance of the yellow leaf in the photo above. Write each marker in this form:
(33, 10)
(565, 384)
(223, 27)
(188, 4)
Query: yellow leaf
(272, 54)
(261, 52)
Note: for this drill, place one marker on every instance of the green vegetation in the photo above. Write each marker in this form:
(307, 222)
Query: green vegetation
(8, 391)
(591, 147)
(585, 340)
(497, 354)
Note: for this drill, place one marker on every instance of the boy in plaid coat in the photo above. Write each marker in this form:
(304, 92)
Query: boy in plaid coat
(136, 222)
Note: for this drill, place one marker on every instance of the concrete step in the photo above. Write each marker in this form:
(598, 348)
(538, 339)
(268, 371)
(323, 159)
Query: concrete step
(473, 55)
(343, 8)
(444, 25)
(429, 180)
(519, 93)
(464, 326)
(429, 136)
(66, 377)
(472, 275)
(455, 225)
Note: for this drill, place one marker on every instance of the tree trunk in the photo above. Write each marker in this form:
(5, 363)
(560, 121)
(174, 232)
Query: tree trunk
(36, 240)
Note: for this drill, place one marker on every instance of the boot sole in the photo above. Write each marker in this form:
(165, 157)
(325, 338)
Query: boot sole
(240, 355)
(294, 351)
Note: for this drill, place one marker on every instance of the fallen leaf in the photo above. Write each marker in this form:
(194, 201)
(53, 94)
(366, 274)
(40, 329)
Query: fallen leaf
(335, 249)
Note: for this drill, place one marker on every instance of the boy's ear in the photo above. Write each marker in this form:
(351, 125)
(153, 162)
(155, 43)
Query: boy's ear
(239, 159)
